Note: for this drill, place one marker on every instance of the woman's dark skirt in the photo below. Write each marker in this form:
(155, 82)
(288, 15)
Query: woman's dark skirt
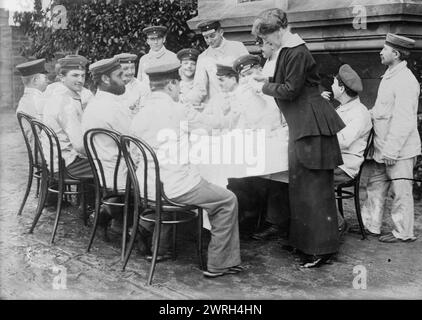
(313, 225)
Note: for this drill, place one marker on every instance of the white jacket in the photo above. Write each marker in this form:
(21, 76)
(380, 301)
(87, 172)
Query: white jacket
(395, 115)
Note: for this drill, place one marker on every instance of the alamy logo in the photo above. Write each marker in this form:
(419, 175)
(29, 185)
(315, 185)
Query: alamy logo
(60, 278)
(359, 281)
(359, 21)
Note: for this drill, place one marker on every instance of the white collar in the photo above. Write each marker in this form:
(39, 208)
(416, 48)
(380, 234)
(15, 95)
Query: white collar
(291, 40)
(32, 91)
(159, 53)
(349, 105)
(396, 69)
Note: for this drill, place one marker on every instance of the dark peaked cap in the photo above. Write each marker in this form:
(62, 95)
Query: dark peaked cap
(209, 25)
(167, 71)
(104, 66)
(224, 70)
(246, 62)
(350, 78)
(31, 67)
(190, 53)
(73, 62)
(126, 57)
(158, 31)
(399, 42)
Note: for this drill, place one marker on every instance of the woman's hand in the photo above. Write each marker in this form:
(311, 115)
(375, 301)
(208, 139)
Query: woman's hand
(326, 95)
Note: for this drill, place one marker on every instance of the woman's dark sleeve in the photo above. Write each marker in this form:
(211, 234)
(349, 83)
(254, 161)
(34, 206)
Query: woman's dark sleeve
(296, 66)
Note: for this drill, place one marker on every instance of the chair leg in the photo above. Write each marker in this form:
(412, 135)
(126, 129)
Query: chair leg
(174, 248)
(125, 230)
(96, 220)
(199, 242)
(37, 193)
(41, 202)
(59, 209)
(358, 213)
(156, 245)
(132, 238)
(263, 203)
(340, 202)
(28, 188)
(83, 204)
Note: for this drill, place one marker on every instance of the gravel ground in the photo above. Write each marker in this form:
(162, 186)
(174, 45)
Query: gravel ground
(32, 269)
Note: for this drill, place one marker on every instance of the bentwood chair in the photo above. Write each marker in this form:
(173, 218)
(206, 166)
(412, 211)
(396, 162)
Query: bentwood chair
(33, 156)
(55, 180)
(106, 192)
(160, 211)
(355, 183)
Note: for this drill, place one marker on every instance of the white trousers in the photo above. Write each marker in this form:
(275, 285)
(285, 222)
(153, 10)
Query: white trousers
(402, 209)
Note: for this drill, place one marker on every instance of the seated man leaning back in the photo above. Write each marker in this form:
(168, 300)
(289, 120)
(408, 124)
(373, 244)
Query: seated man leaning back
(63, 114)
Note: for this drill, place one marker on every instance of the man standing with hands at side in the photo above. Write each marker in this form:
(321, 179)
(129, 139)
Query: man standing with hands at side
(396, 144)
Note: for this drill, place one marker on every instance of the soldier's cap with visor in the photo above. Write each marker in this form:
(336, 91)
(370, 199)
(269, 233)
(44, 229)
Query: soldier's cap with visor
(168, 71)
(126, 57)
(399, 42)
(155, 31)
(188, 54)
(31, 67)
(246, 62)
(73, 62)
(225, 70)
(209, 26)
(104, 66)
(350, 78)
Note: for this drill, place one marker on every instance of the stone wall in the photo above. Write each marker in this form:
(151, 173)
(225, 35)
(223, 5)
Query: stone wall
(6, 73)
(336, 32)
(12, 40)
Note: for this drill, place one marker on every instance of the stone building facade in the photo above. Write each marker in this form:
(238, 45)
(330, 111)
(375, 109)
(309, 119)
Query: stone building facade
(337, 32)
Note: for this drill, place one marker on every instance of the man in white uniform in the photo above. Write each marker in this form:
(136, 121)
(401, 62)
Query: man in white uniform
(158, 54)
(135, 89)
(188, 58)
(396, 144)
(106, 111)
(181, 180)
(35, 80)
(63, 114)
(354, 137)
(220, 50)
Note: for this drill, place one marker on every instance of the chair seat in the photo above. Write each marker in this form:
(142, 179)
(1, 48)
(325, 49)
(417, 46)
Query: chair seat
(171, 208)
(184, 216)
(346, 184)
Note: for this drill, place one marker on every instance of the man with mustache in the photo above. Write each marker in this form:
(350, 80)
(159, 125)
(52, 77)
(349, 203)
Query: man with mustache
(396, 144)
(135, 89)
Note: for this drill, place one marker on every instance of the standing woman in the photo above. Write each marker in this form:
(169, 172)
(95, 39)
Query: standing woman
(314, 151)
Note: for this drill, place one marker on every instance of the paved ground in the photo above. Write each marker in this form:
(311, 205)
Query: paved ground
(32, 269)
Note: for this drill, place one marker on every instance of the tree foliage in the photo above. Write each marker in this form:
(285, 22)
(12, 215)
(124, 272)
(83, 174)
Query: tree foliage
(99, 29)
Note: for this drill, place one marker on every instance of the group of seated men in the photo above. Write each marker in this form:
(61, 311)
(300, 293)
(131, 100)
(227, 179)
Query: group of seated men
(176, 90)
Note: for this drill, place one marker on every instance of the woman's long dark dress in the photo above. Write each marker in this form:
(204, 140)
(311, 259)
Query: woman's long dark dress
(314, 151)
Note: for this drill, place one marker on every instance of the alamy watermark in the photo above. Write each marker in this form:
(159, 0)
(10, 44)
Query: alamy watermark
(360, 280)
(243, 147)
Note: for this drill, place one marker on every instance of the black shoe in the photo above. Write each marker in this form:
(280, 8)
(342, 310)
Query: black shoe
(316, 261)
(269, 233)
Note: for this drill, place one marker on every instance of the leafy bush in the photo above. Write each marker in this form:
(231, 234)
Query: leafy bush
(99, 29)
